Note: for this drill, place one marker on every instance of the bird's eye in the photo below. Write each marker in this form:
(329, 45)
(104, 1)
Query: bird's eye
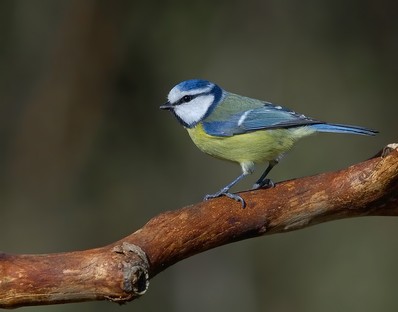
(186, 98)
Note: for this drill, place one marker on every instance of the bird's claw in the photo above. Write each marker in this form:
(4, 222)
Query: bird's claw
(266, 183)
(228, 194)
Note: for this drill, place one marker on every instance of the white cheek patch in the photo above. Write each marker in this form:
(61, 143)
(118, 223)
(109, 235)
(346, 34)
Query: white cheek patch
(193, 112)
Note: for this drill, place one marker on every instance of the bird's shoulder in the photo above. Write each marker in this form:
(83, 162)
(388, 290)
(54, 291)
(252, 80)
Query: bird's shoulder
(233, 105)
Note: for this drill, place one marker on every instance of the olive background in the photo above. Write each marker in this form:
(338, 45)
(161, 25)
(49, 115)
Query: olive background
(87, 157)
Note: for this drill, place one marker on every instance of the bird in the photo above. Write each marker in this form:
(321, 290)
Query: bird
(243, 130)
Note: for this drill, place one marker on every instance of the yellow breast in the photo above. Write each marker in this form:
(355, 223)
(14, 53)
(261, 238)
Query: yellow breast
(257, 146)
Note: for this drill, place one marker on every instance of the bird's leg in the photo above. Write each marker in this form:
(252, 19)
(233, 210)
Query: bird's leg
(225, 191)
(262, 181)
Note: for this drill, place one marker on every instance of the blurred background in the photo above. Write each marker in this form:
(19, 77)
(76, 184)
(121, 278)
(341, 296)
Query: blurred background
(87, 157)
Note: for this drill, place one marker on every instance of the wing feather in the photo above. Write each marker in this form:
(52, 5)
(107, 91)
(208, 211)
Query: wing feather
(268, 116)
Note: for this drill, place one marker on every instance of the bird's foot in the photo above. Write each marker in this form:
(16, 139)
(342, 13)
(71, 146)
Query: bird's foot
(266, 183)
(224, 192)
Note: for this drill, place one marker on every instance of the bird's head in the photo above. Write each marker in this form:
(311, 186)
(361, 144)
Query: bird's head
(193, 100)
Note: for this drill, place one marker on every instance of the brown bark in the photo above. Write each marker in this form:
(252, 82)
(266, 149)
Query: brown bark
(121, 271)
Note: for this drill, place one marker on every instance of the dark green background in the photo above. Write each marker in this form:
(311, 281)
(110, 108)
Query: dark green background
(87, 157)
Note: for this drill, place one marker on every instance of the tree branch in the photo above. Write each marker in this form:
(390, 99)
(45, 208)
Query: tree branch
(121, 271)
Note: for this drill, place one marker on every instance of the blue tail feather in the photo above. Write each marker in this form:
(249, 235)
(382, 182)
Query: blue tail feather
(336, 128)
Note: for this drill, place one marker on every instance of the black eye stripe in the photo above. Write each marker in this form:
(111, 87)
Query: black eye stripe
(187, 98)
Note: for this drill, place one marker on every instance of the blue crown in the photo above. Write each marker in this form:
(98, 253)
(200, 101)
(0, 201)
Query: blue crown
(194, 84)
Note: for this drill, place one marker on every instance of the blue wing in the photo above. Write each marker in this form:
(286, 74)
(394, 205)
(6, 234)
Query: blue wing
(265, 117)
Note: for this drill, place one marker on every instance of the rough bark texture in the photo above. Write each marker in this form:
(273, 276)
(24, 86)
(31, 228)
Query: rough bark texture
(121, 271)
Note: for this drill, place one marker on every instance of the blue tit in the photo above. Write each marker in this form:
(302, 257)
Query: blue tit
(241, 129)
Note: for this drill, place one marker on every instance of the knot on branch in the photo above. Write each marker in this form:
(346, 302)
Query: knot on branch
(135, 270)
(388, 149)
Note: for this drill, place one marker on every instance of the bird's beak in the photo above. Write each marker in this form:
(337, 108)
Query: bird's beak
(167, 106)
